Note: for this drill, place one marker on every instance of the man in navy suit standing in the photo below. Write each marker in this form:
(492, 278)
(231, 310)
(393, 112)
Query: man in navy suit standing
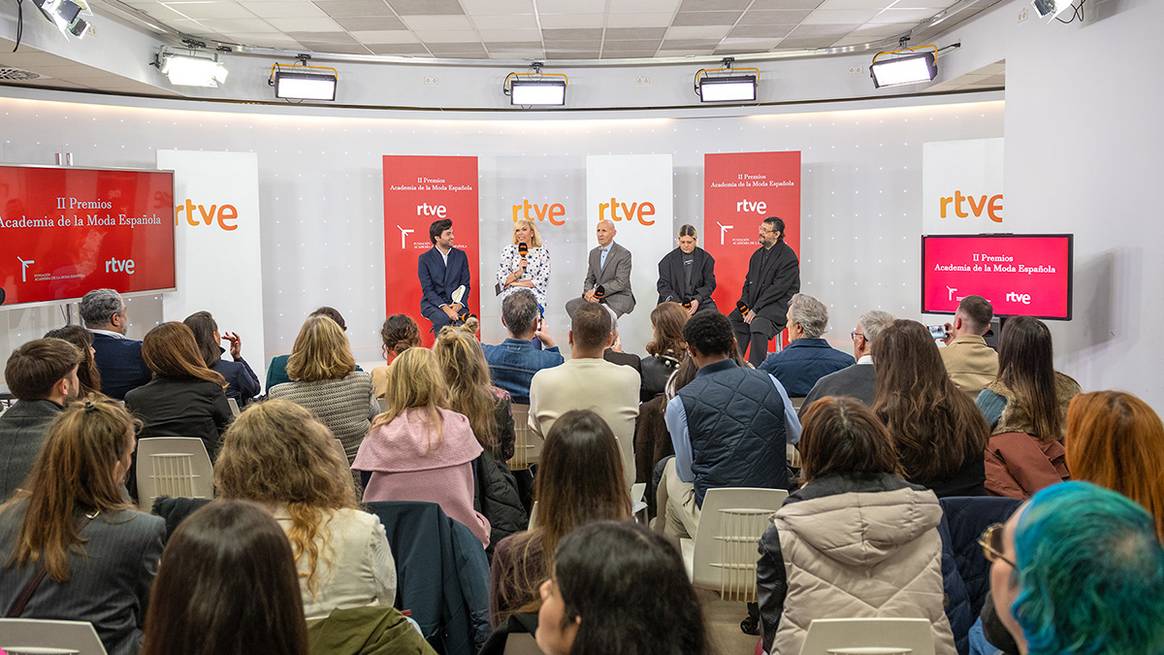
(443, 270)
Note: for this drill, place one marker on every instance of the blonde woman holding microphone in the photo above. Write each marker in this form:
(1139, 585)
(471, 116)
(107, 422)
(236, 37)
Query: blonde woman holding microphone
(525, 264)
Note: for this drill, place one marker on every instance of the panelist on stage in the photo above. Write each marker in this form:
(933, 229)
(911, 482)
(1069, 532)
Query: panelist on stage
(443, 271)
(687, 274)
(525, 263)
(608, 275)
(773, 277)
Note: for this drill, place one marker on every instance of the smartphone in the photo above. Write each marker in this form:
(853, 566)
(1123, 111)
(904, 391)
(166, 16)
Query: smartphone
(938, 332)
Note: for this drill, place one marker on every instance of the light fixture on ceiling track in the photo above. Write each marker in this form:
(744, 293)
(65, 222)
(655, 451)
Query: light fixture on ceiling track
(727, 84)
(535, 88)
(303, 82)
(906, 65)
(191, 65)
(67, 15)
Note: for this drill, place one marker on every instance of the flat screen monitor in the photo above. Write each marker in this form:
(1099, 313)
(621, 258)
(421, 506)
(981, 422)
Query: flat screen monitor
(1020, 274)
(65, 231)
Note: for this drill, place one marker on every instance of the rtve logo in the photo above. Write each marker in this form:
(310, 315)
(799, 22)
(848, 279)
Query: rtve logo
(425, 209)
(115, 265)
(1015, 296)
(545, 211)
(977, 204)
(225, 216)
(622, 212)
(757, 207)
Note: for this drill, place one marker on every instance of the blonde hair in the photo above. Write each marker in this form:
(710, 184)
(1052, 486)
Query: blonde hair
(536, 240)
(321, 352)
(278, 453)
(467, 375)
(72, 474)
(415, 381)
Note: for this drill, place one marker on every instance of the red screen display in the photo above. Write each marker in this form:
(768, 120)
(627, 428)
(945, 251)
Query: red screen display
(65, 231)
(1021, 275)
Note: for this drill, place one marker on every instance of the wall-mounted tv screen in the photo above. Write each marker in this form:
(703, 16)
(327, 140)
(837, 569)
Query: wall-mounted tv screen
(64, 231)
(1020, 274)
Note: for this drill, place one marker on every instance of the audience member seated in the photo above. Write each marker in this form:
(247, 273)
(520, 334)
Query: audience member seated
(42, 374)
(341, 552)
(1029, 395)
(665, 351)
(856, 540)
(469, 393)
(185, 399)
(587, 381)
(277, 369)
(71, 543)
(399, 333)
(1115, 440)
(727, 427)
(241, 382)
(514, 362)
(859, 380)
(87, 373)
(617, 588)
(579, 481)
(325, 380)
(970, 363)
(938, 433)
(227, 584)
(615, 355)
(417, 449)
(1079, 569)
(808, 357)
(118, 357)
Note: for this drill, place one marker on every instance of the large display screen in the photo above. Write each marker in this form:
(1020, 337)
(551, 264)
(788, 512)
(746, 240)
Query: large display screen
(64, 231)
(1020, 274)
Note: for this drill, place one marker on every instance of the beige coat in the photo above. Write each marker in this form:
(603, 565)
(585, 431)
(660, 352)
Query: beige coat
(970, 363)
(857, 555)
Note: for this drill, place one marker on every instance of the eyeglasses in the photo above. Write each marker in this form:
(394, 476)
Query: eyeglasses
(854, 334)
(991, 542)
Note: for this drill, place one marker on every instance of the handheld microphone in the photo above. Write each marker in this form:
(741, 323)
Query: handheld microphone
(523, 252)
(600, 293)
(687, 304)
(742, 308)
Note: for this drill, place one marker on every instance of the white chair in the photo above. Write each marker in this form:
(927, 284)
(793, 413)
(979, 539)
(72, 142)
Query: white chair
(638, 505)
(58, 637)
(722, 557)
(234, 410)
(172, 466)
(527, 446)
(339, 448)
(383, 403)
(872, 636)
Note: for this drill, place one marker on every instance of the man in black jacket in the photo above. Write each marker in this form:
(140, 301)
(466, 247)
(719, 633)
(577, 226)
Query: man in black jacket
(773, 277)
(42, 374)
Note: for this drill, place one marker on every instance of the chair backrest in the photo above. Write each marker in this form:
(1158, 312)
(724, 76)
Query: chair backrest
(339, 448)
(234, 410)
(172, 466)
(876, 636)
(731, 522)
(521, 644)
(40, 636)
(383, 403)
(527, 447)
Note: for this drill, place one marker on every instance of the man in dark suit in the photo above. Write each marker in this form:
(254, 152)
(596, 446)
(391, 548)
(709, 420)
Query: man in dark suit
(118, 357)
(773, 277)
(859, 380)
(687, 274)
(609, 268)
(42, 374)
(442, 271)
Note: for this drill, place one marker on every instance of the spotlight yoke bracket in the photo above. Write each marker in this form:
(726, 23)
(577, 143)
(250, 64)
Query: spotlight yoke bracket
(726, 72)
(927, 54)
(303, 70)
(535, 75)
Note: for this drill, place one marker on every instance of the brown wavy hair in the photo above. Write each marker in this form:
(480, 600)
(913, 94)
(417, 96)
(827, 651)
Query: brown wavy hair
(667, 321)
(1116, 440)
(462, 361)
(843, 436)
(301, 469)
(171, 352)
(73, 474)
(935, 427)
(87, 372)
(399, 333)
(321, 352)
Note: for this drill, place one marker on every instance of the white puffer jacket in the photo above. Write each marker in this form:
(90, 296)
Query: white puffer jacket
(858, 555)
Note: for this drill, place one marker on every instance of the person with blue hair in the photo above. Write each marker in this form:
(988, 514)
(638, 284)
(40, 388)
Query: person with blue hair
(1078, 571)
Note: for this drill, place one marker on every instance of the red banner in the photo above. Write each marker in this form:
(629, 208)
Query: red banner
(65, 231)
(418, 190)
(740, 190)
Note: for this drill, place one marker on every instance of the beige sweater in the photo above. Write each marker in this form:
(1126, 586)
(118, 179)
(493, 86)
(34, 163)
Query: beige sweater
(345, 405)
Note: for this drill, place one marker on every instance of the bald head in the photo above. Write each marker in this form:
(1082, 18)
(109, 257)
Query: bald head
(605, 233)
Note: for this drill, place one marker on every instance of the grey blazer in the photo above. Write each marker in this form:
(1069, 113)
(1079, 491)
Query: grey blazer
(615, 278)
(108, 586)
(22, 431)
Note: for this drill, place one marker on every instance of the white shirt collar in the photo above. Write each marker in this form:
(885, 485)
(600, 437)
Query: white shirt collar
(865, 359)
(115, 335)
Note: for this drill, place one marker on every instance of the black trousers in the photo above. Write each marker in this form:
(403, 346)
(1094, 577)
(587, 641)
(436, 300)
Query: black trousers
(753, 337)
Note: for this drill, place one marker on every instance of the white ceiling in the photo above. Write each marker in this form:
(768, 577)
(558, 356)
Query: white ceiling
(542, 29)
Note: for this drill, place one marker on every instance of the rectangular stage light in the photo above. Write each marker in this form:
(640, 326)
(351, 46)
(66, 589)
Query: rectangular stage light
(908, 69)
(187, 70)
(294, 84)
(733, 88)
(537, 92)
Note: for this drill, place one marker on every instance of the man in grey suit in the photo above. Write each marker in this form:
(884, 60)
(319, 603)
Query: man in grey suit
(608, 275)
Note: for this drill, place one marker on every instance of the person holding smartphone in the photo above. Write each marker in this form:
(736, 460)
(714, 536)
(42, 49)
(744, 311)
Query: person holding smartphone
(970, 363)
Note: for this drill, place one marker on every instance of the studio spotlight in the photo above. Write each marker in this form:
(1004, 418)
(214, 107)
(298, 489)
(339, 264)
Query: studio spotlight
(727, 84)
(1051, 8)
(536, 89)
(905, 66)
(192, 68)
(303, 82)
(66, 15)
